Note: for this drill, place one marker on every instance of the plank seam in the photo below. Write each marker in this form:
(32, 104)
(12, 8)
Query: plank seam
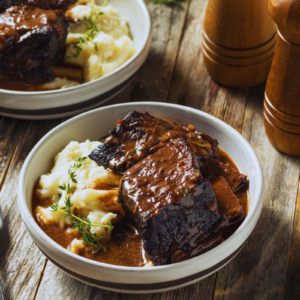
(10, 160)
(242, 125)
(178, 47)
(215, 283)
(293, 233)
(40, 279)
(14, 157)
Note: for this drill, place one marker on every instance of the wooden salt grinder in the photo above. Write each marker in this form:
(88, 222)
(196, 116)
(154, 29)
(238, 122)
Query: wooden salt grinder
(238, 41)
(282, 95)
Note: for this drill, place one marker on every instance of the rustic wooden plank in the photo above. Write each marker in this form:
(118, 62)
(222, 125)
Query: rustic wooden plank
(21, 263)
(154, 78)
(151, 84)
(259, 271)
(9, 135)
(201, 290)
(190, 84)
(292, 288)
(60, 289)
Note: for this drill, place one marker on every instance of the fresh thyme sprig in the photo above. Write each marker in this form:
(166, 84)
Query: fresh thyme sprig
(90, 239)
(90, 33)
(82, 224)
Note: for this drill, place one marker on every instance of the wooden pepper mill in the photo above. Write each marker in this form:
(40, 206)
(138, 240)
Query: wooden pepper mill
(282, 96)
(238, 42)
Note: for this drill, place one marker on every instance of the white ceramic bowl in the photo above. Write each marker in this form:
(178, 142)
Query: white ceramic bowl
(95, 124)
(74, 100)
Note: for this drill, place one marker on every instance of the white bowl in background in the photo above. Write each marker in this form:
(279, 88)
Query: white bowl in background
(95, 124)
(74, 100)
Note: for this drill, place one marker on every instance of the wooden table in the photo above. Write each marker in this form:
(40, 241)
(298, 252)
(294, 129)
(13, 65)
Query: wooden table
(267, 267)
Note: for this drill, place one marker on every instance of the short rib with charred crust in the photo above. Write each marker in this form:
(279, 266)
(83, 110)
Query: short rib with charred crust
(31, 39)
(139, 134)
(173, 206)
(44, 4)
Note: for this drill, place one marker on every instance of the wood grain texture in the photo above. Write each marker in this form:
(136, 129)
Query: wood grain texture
(62, 282)
(190, 80)
(154, 78)
(9, 136)
(282, 109)
(239, 24)
(20, 260)
(237, 76)
(286, 16)
(259, 271)
(234, 25)
(292, 287)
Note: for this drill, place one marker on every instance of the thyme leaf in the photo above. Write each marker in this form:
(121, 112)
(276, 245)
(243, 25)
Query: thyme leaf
(83, 225)
(89, 35)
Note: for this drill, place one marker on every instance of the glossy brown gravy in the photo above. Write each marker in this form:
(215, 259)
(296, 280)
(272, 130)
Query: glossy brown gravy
(243, 194)
(125, 245)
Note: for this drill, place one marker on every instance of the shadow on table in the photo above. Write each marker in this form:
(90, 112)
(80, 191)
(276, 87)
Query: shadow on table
(4, 250)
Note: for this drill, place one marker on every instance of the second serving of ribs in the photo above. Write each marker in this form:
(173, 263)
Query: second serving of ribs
(44, 4)
(31, 39)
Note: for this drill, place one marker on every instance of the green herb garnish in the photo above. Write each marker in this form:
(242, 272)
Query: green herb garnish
(89, 34)
(82, 224)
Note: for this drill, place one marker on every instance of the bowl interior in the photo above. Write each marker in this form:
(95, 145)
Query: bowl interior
(96, 124)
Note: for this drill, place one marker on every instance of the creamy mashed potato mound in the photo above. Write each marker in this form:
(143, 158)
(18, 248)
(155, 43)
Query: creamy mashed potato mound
(111, 46)
(96, 195)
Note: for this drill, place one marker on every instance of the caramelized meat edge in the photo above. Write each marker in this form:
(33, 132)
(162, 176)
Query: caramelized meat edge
(139, 134)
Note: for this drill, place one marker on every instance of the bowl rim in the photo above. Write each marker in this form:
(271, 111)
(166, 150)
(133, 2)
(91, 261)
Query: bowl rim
(106, 77)
(252, 214)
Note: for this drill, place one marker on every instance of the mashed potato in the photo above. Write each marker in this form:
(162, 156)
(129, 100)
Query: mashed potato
(110, 47)
(96, 195)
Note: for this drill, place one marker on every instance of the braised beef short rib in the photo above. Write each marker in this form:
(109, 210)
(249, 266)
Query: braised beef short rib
(44, 4)
(31, 39)
(229, 205)
(173, 206)
(139, 134)
(214, 168)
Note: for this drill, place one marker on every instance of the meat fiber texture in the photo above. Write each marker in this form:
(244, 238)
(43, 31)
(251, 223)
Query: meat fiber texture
(44, 4)
(139, 134)
(215, 168)
(31, 39)
(174, 208)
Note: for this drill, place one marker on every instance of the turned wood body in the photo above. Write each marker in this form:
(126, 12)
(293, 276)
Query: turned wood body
(238, 41)
(282, 96)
